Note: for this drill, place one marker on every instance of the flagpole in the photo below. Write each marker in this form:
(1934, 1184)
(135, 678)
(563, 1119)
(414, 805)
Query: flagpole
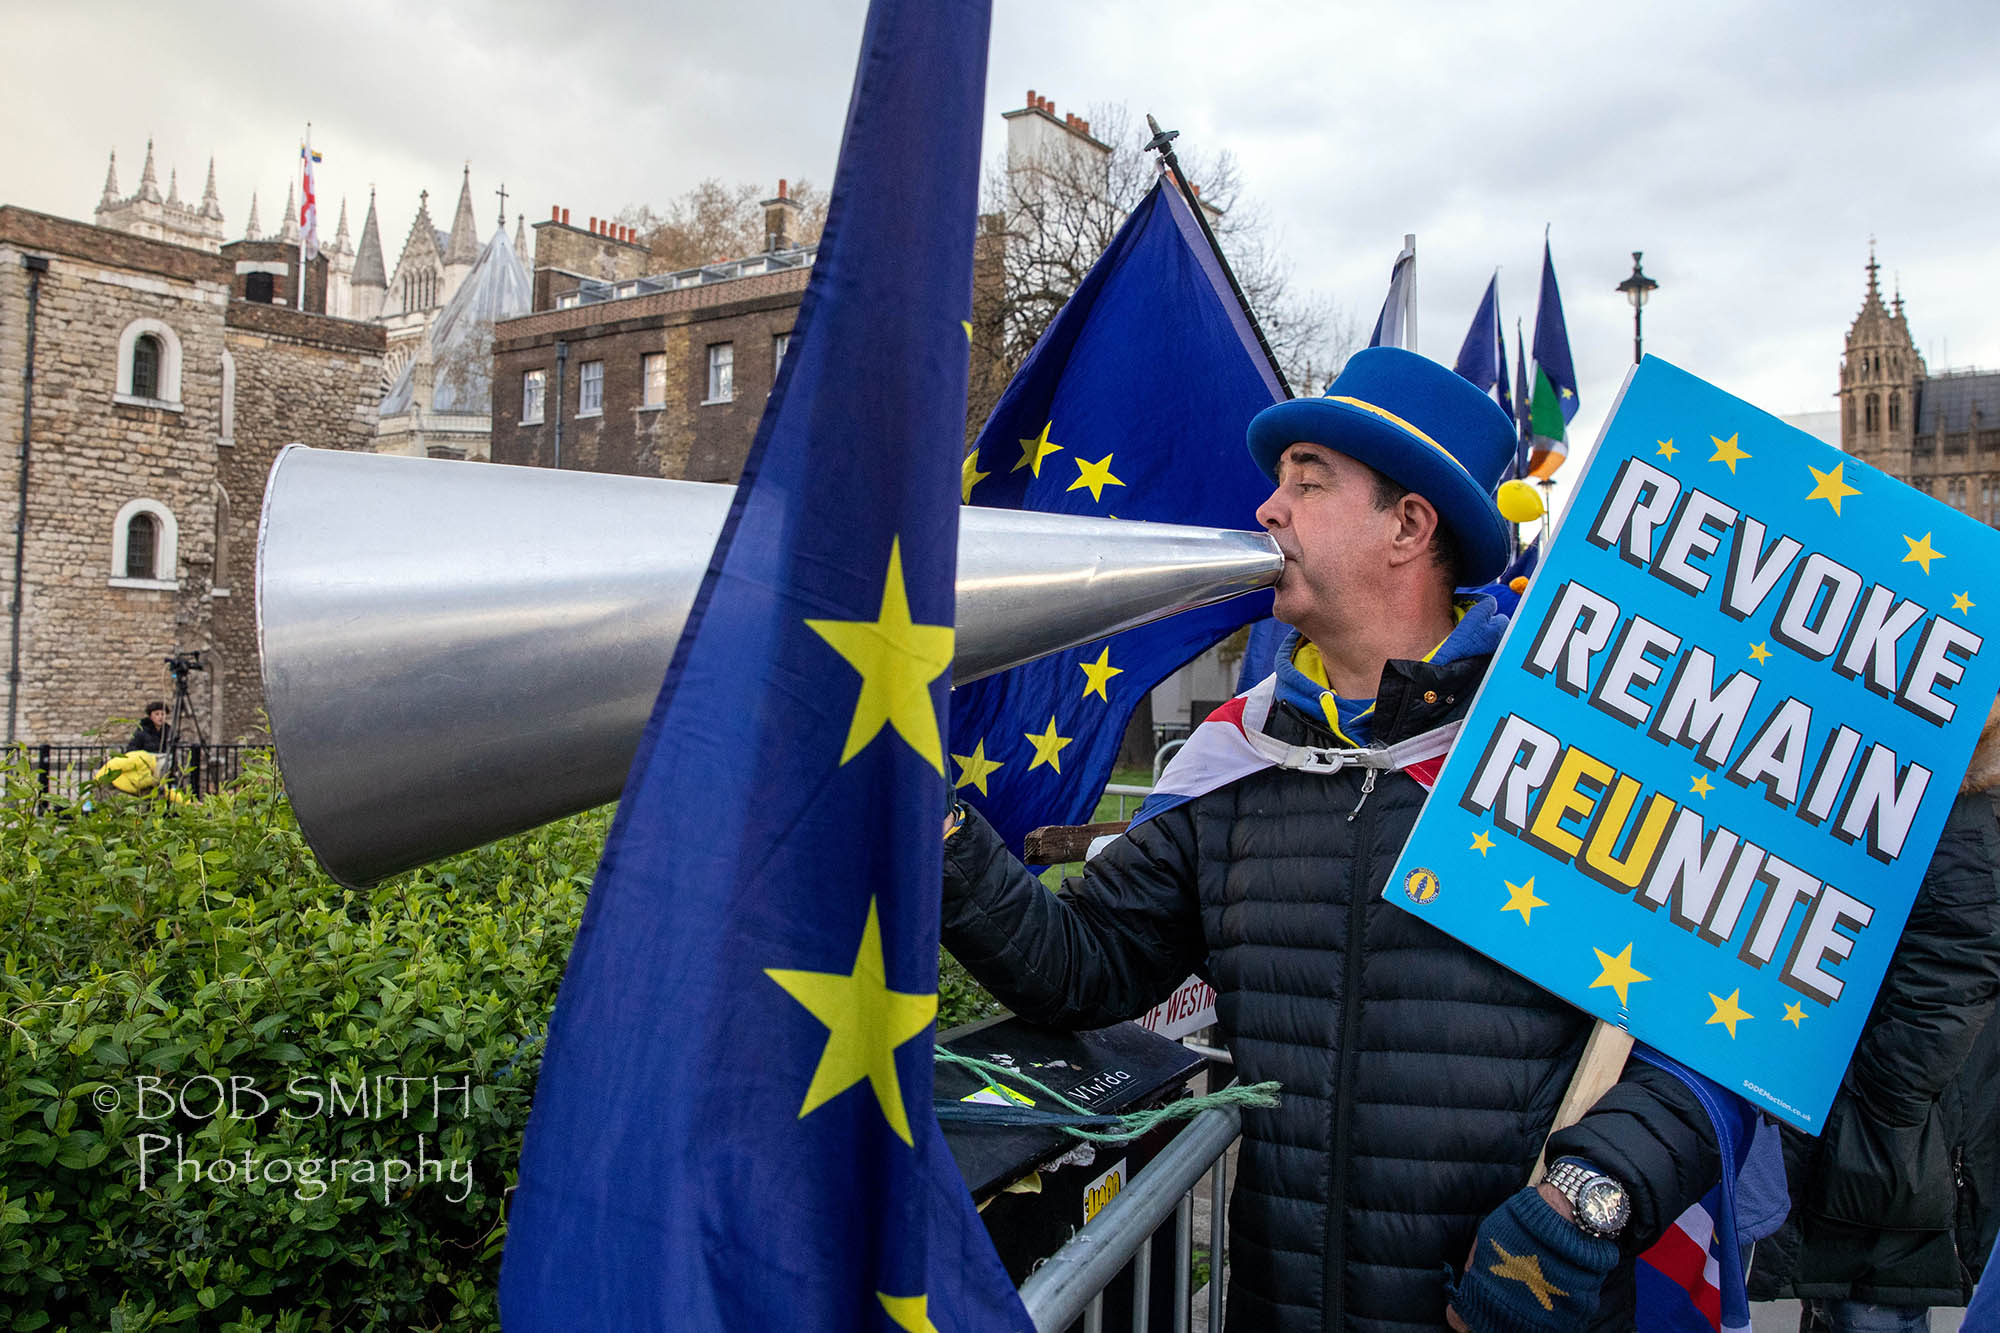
(305, 160)
(1162, 143)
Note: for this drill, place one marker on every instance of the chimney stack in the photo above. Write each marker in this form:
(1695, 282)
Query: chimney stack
(781, 218)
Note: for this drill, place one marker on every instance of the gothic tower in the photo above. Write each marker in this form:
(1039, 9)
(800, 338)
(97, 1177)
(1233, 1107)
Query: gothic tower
(1880, 378)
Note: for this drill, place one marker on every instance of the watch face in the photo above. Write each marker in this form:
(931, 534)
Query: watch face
(1601, 1206)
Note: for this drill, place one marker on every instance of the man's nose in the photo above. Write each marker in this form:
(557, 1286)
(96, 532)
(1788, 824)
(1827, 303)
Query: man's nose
(1271, 513)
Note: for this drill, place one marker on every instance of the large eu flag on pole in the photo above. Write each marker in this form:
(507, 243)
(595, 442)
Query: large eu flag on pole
(1132, 405)
(733, 1128)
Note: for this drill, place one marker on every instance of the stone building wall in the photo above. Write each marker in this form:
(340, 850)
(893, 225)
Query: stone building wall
(566, 254)
(93, 642)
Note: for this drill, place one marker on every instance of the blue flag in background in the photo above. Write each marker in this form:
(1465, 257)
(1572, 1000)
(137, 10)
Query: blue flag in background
(1552, 400)
(1133, 404)
(1482, 358)
(733, 1128)
(1521, 401)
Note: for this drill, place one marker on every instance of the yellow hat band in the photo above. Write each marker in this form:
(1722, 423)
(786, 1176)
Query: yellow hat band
(1403, 425)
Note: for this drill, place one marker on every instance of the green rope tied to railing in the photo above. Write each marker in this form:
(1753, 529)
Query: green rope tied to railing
(1081, 1122)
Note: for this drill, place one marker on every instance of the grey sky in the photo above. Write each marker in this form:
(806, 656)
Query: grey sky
(1749, 150)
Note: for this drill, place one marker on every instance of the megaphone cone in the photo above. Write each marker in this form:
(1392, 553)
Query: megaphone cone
(453, 653)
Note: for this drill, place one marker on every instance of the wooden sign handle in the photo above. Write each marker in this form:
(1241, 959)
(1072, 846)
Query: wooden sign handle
(1603, 1061)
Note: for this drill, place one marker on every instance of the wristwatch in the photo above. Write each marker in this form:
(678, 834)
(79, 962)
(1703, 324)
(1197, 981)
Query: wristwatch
(1601, 1204)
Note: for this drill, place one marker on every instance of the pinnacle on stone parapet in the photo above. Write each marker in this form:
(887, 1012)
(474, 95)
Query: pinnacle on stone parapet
(251, 230)
(211, 202)
(110, 183)
(340, 233)
(520, 235)
(149, 183)
(288, 230)
(369, 271)
(174, 186)
(463, 246)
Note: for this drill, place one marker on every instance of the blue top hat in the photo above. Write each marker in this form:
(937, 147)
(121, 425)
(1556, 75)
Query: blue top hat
(1423, 426)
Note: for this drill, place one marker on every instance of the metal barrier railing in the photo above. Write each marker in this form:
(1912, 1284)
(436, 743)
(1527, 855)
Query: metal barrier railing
(1070, 1283)
(64, 771)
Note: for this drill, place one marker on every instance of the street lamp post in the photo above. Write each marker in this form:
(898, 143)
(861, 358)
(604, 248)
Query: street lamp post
(1637, 288)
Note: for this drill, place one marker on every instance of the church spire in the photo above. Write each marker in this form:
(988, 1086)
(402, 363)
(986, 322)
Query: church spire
(174, 187)
(368, 267)
(252, 231)
(1874, 291)
(340, 232)
(110, 183)
(288, 230)
(149, 184)
(463, 247)
(211, 203)
(520, 237)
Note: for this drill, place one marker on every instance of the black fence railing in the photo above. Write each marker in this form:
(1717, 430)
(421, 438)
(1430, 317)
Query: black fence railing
(65, 771)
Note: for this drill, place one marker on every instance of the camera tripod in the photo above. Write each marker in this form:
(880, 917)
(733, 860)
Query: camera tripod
(179, 666)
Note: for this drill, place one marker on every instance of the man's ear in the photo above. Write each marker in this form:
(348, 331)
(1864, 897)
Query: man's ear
(1416, 524)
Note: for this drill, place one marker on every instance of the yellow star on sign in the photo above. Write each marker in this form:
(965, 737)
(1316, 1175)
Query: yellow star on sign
(1832, 488)
(897, 660)
(865, 1023)
(970, 476)
(1963, 602)
(1521, 898)
(910, 1313)
(1099, 673)
(975, 768)
(1702, 787)
(1096, 476)
(1525, 1269)
(1048, 747)
(1728, 1012)
(1726, 451)
(1795, 1014)
(1481, 843)
(1618, 973)
(1667, 450)
(1034, 450)
(1922, 552)
(1759, 653)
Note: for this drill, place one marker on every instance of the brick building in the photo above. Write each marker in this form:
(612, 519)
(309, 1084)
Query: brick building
(159, 400)
(662, 375)
(1938, 432)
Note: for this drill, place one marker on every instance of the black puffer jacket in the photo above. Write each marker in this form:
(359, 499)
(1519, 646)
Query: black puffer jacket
(1898, 1199)
(1419, 1077)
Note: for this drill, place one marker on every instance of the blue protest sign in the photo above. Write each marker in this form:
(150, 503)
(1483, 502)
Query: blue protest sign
(1698, 791)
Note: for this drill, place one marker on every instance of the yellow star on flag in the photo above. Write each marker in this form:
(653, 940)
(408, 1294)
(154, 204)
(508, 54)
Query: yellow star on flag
(1666, 450)
(1702, 787)
(966, 324)
(897, 660)
(1759, 653)
(1618, 973)
(910, 1313)
(1525, 1269)
(975, 768)
(1728, 1012)
(1099, 673)
(1922, 552)
(1795, 1014)
(1521, 898)
(970, 476)
(1048, 747)
(1481, 843)
(1963, 602)
(1096, 476)
(865, 1023)
(1832, 487)
(1726, 451)
(1033, 451)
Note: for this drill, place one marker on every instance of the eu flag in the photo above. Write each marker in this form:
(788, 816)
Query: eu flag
(1133, 404)
(1553, 401)
(1482, 358)
(733, 1128)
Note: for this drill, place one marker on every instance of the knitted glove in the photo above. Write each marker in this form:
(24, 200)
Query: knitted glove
(1532, 1271)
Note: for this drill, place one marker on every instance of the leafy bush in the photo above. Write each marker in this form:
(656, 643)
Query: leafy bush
(203, 1037)
(186, 1000)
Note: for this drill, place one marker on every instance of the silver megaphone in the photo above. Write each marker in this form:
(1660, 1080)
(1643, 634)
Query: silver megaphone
(455, 652)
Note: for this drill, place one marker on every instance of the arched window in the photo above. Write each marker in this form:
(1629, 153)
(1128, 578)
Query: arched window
(149, 364)
(1871, 414)
(1895, 410)
(145, 546)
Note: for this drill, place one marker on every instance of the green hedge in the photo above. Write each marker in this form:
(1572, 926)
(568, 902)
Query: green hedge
(181, 987)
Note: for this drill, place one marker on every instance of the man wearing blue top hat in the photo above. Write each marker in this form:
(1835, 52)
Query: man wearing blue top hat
(1420, 1078)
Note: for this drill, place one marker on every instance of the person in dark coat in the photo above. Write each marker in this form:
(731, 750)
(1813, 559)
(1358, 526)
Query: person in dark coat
(1420, 1078)
(1896, 1203)
(152, 732)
